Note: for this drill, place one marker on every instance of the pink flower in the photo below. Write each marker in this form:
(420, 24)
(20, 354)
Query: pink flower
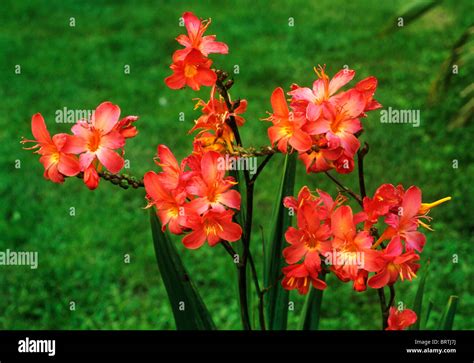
(340, 122)
(314, 101)
(99, 140)
(195, 39)
(405, 223)
(212, 188)
(348, 243)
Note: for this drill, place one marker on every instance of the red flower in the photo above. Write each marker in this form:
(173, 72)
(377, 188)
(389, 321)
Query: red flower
(322, 157)
(386, 197)
(213, 227)
(400, 319)
(56, 159)
(195, 39)
(299, 277)
(367, 88)
(194, 70)
(395, 264)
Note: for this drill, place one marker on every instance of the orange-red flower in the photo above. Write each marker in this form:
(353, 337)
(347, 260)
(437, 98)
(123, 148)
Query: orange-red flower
(299, 277)
(400, 319)
(57, 161)
(386, 197)
(213, 226)
(310, 239)
(353, 248)
(194, 70)
(211, 188)
(396, 264)
(214, 118)
(169, 203)
(287, 126)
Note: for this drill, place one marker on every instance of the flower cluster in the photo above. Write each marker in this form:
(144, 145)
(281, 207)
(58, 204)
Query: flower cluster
(215, 132)
(191, 66)
(322, 125)
(327, 238)
(194, 197)
(92, 145)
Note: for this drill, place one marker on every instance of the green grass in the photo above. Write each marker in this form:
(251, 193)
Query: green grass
(81, 258)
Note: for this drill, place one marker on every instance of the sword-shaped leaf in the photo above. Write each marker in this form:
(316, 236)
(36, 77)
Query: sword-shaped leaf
(276, 299)
(189, 310)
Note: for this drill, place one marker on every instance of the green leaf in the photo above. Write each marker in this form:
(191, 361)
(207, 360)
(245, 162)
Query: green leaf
(413, 11)
(418, 302)
(447, 319)
(178, 284)
(312, 309)
(276, 299)
(428, 312)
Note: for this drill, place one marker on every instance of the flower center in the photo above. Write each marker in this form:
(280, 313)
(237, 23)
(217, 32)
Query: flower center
(335, 125)
(212, 228)
(94, 140)
(190, 70)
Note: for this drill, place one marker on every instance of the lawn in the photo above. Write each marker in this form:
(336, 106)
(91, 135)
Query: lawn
(82, 257)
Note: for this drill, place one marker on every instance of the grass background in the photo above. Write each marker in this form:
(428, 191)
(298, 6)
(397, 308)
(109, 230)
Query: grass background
(81, 258)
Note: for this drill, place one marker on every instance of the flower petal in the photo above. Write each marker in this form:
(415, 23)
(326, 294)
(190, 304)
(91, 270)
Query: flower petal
(105, 117)
(111, 160)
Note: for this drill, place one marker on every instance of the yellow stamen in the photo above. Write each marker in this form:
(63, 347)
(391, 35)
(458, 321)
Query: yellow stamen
(425, 207)
(427, 226)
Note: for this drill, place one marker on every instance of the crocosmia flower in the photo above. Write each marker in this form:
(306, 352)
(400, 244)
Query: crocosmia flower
(195, 39)
(299, 277)
(314, 101)
(396, 264)
(287, 127)
(194, 70)
(213, 227)
(400, 319)
(56, 159)
(98, 141)
(211, 187)
(213, 123)
(194, 198)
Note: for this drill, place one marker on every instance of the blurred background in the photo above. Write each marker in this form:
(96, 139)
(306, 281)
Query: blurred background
(81, 257)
